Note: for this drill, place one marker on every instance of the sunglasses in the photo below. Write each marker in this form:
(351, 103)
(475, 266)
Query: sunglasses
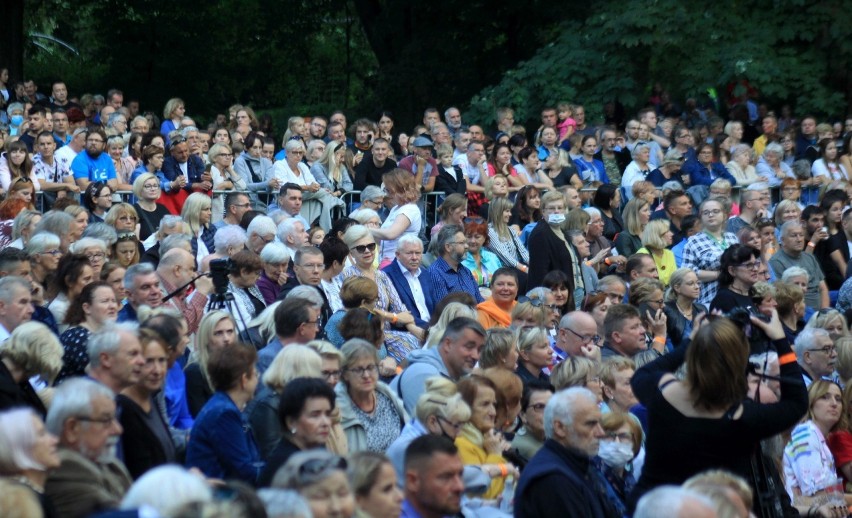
(363, 248)
(473, 219)
(313, 468)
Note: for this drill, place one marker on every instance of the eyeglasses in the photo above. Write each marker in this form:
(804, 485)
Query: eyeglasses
(360, 371)
(331, 374)
(362, 249)
(620, 437)
(712, 212)
(151, 187)
(94, 141)
(106, 421)
(751, 266)
(52, 252)
(537, 303)
(454, 426)
(315, 467)
(229, 155)
(584, 338)
(828, 349)
(97, 256)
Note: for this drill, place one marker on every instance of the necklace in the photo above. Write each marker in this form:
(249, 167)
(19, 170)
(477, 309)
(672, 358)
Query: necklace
(686, 313)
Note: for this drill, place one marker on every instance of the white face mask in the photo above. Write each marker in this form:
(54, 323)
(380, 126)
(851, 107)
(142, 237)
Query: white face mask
(615, 454)
(556, 219)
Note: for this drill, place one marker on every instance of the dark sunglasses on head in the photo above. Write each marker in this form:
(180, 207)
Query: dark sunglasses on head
(127, 236)
(363, 248)
(473, 219)
(314, 467)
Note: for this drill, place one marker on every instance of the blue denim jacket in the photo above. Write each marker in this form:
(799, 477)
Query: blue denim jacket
(221, 444)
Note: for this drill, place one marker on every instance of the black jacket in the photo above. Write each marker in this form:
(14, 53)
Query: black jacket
(445, 182)
(141, 446)
(676, 322)
(14, 395)
(558, 482)
(547, 253)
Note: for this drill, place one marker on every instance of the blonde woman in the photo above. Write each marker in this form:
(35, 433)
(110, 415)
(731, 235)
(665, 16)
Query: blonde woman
(225, 177)
(197, 215)
(216, 330)
(636, 215)
(330, 170)
(656, 238)
(32, 350)
(173, 113)
(578, 371)
(500, 349)
(452, 311)
(502, 240)
(535, 354)
(740, 166)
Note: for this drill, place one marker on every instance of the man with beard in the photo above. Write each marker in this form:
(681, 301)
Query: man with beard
(433, 478)
(447, 273)
(559, 480)
(453, 118)
(90, 478)
(93, 165)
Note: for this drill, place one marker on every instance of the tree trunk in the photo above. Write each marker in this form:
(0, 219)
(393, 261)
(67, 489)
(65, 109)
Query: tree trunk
(12, 38)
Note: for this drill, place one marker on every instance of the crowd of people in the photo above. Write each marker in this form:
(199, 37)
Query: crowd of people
(645, 319)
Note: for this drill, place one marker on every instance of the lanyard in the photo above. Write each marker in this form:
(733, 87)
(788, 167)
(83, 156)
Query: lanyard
(723, 244)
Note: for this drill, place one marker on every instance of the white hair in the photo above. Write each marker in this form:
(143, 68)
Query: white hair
(41, 242)
(261, 225)
(275, 253)
(80, 246)
(284, 503)
(409, 239)
(309, 293)
(17, 438)
(788, 226)
(669, 502)
(592, 211)
(561, 407)
(288, 228)
(795, 271)
(167, 488)
(228, 236)
(806, 339)
(74, 398)
(108, 340)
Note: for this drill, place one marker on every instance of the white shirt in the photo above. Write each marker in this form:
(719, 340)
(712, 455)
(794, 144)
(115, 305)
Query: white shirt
(65, 155)
(471, 171)
(416, 290)
(281, 170)
(412, 212)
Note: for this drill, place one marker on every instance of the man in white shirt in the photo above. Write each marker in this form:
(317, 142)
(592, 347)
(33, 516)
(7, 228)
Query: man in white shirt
(473, 166)
(412, 282)
(66, 154)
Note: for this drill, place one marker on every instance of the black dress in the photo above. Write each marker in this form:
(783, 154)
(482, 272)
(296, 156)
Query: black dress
(13, 395)
(146, 441)
(198, 391)
(277, 458)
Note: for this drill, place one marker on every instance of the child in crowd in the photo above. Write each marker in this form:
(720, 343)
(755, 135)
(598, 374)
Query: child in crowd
(567, 125)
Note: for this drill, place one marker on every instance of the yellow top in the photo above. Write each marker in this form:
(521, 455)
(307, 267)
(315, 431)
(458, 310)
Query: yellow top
(469, 442)
(666, 264)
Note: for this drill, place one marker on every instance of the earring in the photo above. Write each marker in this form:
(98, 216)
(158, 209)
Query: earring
(293, 431)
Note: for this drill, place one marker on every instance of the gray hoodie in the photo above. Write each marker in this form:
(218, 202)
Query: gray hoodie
(411, 383)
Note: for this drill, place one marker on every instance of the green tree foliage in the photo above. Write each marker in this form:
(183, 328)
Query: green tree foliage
(790, 50)
(290, 53)
(441, 52)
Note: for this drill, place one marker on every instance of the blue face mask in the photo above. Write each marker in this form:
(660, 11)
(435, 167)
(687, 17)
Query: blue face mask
(17, 120)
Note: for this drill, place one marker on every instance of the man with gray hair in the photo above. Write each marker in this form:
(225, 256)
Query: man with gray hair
(115, 356)
(293, 234)
(176, 270)
(15, 304)
(753, 203)
(792, 254)
(90, 478)
(816, 354)
(674, 502)
(143, 288)
(560, 480)
(447, 273)
(261, 231)
(411, 280)
(453, 118)
(170, 225)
